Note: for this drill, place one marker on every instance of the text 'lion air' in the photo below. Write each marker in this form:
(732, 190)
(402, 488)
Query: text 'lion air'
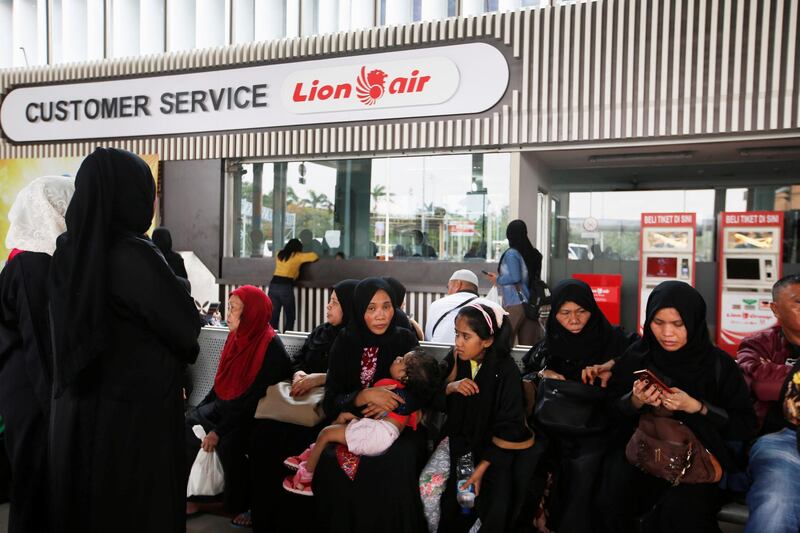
(425, 81)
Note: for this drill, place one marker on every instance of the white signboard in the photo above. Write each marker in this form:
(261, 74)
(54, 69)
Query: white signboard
(440, 81)
(744, 314)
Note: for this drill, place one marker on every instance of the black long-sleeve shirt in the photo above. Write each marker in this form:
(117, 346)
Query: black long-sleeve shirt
(497, 411)
(344, 370)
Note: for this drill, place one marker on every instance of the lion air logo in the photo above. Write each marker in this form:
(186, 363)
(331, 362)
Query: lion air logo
(370, 85)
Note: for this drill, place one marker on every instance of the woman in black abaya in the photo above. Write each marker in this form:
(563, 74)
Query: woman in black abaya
(124, 326)
(37, 219)
(709, 395)
(163, 240)
(578, 335)
(369, 493)
(272, 441)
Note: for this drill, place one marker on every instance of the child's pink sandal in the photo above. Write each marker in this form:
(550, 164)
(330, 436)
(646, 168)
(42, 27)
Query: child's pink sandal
(300, 482)
(293, 462)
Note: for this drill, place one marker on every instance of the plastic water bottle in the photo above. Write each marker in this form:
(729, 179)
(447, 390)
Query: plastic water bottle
(465, 494)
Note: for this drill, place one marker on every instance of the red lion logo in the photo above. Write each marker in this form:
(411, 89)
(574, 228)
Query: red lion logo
(369, 86)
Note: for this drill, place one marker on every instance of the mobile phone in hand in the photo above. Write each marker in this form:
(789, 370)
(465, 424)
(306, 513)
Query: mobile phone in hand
(651, 379)
(485, 272)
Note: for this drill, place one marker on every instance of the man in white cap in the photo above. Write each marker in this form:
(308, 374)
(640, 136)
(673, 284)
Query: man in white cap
(461, 290)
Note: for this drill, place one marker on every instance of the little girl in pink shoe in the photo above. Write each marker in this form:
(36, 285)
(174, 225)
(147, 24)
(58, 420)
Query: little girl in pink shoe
(415, 378)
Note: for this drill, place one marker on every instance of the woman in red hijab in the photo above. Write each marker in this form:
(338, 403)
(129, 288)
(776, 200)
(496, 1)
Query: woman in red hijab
(253, 359)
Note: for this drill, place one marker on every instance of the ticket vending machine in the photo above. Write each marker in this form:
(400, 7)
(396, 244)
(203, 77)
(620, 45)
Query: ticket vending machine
(750, 261)
(666, 252)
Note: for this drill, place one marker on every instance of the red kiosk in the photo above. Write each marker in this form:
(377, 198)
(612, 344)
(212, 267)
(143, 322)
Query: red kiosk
(607, 290)
(750, 261)
(666, 252)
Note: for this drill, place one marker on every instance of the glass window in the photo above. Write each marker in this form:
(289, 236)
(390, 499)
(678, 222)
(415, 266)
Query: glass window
(736, 200)
(77, 30)
(211, 23)
(243, 21)
(180, 25)
(473, 7)
(451, 208)
(606, 225)
(137, 27)
(23, 33)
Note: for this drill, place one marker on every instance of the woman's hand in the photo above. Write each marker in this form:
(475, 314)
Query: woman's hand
(590, 374)
(492, 277)
(305, 383)
(551, 374)
(378, 400)
(645, 394)
(209, 443)
(465, 387)
(477, 476)
(679, 400)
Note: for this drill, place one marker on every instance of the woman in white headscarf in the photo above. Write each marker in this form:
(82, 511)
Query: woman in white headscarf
(37, 219)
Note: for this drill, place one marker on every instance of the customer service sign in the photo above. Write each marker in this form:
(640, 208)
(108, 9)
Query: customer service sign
(441, 81)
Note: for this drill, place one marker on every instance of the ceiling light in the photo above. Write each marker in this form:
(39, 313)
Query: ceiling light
(643, 156)
(770, 151)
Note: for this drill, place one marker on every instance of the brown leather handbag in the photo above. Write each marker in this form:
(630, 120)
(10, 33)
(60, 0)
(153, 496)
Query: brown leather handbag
(664, 447)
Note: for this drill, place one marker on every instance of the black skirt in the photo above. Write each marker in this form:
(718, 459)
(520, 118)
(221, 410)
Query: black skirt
(384, 496)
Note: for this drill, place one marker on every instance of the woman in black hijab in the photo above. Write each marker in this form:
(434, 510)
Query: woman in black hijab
(163, 240)
(401, 317)
(123, 327)
(578, 335)
(312, 361)
(37, 219)
(518, 268)
(369, 493)
(517, 235)
(709, 395)
(273, 441)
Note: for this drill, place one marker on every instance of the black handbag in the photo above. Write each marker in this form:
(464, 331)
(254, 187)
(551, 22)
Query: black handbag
(540, 295)
(570, 407)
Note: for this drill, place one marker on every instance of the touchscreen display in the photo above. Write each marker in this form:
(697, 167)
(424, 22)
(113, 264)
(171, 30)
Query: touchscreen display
(738, 268)
(662, 267)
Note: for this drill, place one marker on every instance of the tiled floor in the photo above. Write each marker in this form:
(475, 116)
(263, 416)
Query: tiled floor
(201, 524)
(218, 524)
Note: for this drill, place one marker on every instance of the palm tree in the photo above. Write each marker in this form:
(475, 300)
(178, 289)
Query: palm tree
(291, 196)
(379, 191)
(316, 200)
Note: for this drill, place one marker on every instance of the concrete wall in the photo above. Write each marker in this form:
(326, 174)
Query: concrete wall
(192, 199)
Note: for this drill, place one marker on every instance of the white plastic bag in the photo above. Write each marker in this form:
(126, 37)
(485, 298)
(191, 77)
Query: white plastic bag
(493, 296)
(206, 477)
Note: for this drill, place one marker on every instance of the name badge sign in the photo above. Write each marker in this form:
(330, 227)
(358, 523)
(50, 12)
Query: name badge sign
(440, 81)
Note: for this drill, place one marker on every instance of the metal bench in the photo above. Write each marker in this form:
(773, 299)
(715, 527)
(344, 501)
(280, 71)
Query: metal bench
(212, 339)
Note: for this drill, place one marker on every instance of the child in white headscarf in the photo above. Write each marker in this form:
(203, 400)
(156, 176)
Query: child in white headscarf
(37, 219)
